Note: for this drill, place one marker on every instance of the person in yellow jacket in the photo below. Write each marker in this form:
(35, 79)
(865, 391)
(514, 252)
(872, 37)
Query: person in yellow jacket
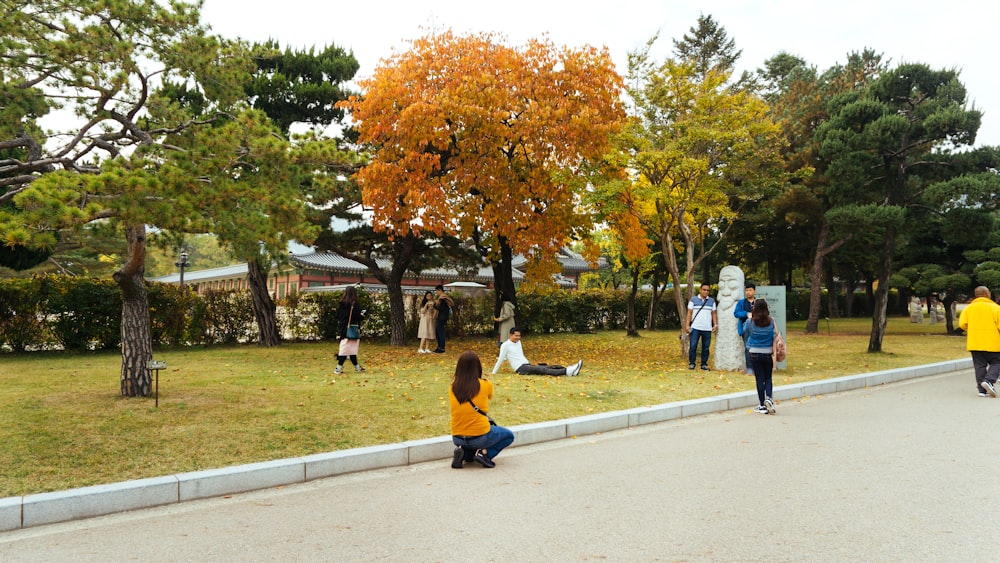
(475, 435)
(981, 322)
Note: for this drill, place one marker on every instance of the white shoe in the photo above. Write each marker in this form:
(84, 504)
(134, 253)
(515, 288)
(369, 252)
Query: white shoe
(575, 368)
(339, 370)
(769, 405)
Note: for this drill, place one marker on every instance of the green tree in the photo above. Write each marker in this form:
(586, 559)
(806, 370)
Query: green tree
(880, 144)
(697, 150)
(798, 98)
(97, 64)
(292, 87)
(300, 86)
(709, 48)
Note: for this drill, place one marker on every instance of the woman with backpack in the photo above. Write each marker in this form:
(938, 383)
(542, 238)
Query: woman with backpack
(761, 344)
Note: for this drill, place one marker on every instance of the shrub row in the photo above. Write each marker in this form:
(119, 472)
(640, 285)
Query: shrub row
(82, 314)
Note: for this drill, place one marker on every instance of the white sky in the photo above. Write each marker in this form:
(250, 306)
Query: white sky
(956, 34)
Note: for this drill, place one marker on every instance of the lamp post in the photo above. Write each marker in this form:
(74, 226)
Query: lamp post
(182, 263)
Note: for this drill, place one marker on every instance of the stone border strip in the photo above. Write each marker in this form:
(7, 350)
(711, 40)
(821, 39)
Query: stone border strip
(98, 500)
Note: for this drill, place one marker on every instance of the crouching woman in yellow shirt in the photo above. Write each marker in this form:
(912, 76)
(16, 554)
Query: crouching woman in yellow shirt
(473, 432)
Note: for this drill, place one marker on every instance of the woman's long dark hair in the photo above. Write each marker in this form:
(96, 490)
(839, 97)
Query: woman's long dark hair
(350, 295)
(761, 315)
(428, 296)
(467, 373)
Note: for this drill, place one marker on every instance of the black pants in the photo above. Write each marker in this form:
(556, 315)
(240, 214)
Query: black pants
(439, 333)
(532, 369)
(987, 367)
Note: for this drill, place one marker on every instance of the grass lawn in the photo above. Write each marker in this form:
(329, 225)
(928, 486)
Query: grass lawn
(64, 425)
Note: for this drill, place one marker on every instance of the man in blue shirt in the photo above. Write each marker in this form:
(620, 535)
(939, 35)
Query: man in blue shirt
(701, 321)
(742, 311)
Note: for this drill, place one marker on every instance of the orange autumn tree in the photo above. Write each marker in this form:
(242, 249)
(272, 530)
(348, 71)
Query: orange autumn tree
(488, 142)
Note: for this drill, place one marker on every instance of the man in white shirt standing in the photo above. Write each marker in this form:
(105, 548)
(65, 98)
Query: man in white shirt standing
(702, 320)
(511, 351)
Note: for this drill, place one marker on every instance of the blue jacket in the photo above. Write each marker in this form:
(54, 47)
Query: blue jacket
(742, 309)
(761, 339)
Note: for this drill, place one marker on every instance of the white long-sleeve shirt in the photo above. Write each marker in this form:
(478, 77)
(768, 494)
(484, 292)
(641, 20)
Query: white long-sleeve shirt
(513, 353)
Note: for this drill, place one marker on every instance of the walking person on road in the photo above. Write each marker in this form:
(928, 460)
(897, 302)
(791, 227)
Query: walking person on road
(475, 435)
(701, 321)
(762, 332)
(981, 322)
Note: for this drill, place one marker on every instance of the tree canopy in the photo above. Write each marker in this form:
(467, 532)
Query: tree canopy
(485, 141)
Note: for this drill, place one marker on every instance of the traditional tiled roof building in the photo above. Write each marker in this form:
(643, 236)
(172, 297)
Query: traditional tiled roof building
(313, 271)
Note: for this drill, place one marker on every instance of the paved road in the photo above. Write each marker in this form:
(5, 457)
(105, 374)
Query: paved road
(904, 472)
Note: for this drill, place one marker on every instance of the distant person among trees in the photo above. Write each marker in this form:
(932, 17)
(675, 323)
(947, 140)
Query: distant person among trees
(505, 318)
(742, 311)
(475, 435)
(760, 342)
(981, 322)
(701, 321)
(444, 306)
(349, 314)
(428, 316)
(513, 353)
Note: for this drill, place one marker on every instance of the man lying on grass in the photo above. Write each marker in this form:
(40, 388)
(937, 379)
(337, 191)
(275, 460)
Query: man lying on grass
(512, 352)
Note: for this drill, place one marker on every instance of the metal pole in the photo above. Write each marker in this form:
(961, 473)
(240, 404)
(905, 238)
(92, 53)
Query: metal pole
(182, 264)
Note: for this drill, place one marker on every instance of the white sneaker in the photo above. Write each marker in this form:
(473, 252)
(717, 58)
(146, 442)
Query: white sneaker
(339, 370)
(988, 387)
(769, 405)
(574, 369)
(761, 409)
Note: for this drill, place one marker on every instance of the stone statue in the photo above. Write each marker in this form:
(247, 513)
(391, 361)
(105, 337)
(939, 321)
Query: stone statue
(916, 311)
(932, 310)
(728, 343)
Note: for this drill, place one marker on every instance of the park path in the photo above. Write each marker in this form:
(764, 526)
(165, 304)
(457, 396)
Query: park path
(900, 472)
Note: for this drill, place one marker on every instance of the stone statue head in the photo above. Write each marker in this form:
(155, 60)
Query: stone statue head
(730, 286)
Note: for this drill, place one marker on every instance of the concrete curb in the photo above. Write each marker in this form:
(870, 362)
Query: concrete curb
(86, 502)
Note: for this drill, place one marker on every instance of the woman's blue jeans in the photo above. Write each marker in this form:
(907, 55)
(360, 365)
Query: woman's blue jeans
(763, 367)
(493, 441)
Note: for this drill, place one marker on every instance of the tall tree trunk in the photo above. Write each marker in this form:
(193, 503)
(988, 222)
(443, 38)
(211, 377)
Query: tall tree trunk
(137, 341)
(666, 245)
(397, 312)
(264, 308)
(503, 277)
(403, 249)
(946, 302)
(653, 301)
(852, 283)
(816, 275)
(870, 293)
(882, 293)
(630, 329)
(832, 291)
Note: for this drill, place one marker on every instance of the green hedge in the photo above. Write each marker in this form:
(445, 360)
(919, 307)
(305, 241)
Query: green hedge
(85, 314)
